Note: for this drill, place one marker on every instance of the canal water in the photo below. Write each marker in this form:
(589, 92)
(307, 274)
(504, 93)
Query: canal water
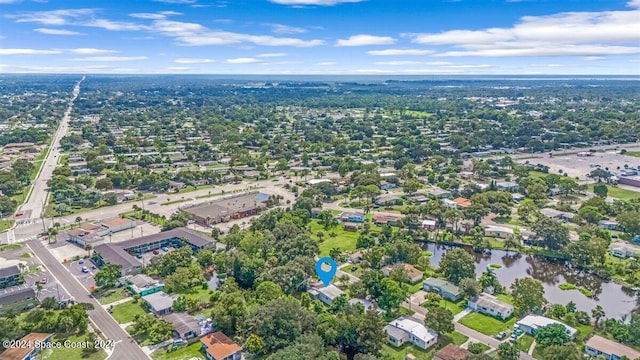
(615, 300)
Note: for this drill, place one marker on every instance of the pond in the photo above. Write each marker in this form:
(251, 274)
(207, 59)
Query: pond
(615, 300)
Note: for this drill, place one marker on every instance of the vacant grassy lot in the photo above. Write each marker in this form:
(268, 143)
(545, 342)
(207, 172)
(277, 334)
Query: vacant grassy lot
(124, 313)
(344, 240)
(487, 324)
(65, 353)
(113, 297)
(618, 193)
(183, 352)
(633, 153)
(524, 342)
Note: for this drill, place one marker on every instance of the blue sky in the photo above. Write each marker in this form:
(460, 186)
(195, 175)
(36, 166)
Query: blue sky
(321, 36)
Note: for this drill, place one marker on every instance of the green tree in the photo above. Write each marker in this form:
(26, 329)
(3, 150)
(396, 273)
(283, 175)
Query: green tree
(561, 352)
(507, 351)
(630, 222)
(205, 258)
(601, 189)
(528, 295)
(550, 233)
(597, 313)
(392, 294)
(456, 265)
(554, 334)
(411, 186)
(254, 344)
(108, 275)
(470, 287)
(439, 320)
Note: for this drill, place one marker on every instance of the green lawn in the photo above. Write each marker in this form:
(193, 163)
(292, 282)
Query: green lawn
(487, 324)
(524, 342)
(6, 224)
(69, 353)
(344, 240)
(202, 295)
(618, 193)
(400, 353)
(113, 297)
(455, 307)
(505, 297)
(183, 352)
(458, 338)
(633, 153)
(124, 313)
(6, 247)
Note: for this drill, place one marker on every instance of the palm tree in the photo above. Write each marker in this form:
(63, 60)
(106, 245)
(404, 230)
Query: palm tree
(89, 247)
(78, 221)
(597, 314)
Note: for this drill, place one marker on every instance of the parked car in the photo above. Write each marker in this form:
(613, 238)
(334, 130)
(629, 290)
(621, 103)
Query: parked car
(81, 261)
(139, 256)
(518, 332)
(156, 252)
(85, 269)
(354, 268)
(165, 249)
(43, 280)
(501, 335)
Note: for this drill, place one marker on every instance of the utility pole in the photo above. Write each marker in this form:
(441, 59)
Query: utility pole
(44, 229)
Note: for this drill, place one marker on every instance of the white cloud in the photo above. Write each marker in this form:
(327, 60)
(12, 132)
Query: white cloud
(441, 64)
(243, 61)
(400, 52)
(325, 63)
(91, 51)
(634, 3)
(313, 2)
(193, 34)
(176, 1)
(272, 55)
(9, 1)
(54, 17)
(56, 31)
(28, 52)
(154, 16)
(364, 40)
(286, 29)
(593, 58)
(192, 61)
(114, 25)
(178, 68)
(4, 68)
(111, 58)
(562, 34)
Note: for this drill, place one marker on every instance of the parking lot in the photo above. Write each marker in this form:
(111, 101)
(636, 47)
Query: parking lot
(85, 278)
(576, 166)
(49, 286)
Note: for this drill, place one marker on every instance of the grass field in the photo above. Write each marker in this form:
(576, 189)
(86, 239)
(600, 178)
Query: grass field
(113, 297)
(455, 307)
(183, 352)
(6, 247)
(633, 153)
(344, 240)
(202, 295)
(458, 338)
(124, 313)
(618, 193)
(524, 342)
(69, 353)
(487, 324)
(6, 224)
(400, 353)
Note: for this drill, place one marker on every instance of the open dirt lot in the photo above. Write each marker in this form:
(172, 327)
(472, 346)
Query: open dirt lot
(576, 166)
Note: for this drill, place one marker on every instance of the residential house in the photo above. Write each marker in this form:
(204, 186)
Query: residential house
(517, 197)
(446, 289)
(490, 305)
(367, 304)
(410, 330)
(9, 276)
(557, 214)
(419, 198)
(452, 352)
(17, 298)
(388, 200)
(610, 225)
(385, 185)
(218, 346)
(380, 219)
(462, 203)
(530, 323)
(185, 326)
(429, 224)
(143, 285)
(159, 303)
(326, 294)
(507, 186)
(29, 351)
(623, 250)
(352, 226)
(357, 217)
(315, 213)
(356, 257)
(449, 203)
(437, 192)
(501, 232)
(413, 274)
(609, 349)
(466, 175)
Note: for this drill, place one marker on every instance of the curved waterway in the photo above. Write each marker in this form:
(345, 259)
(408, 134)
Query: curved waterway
(614, 299)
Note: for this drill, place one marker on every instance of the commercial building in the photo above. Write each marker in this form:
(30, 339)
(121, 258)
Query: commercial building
(218, 346)
(226, 209)
(407, 329)
(17, 298)
(9, 276)
(531, 323)
(490, 305)
(609, 349)
(95, 234)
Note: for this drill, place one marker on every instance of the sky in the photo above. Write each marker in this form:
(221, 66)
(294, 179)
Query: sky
(403, 37)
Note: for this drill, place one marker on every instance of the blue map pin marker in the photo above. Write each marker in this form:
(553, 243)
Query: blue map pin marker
(326, 276)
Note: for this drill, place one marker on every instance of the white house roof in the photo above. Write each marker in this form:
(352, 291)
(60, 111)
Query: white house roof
(414, 327)
(330, 291)
(317, 181)
(611, 347)
(491, 302)
(537, 321)
(503, 229)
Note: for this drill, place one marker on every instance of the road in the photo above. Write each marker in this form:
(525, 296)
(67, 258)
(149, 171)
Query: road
(627, 146)
(124, 348)
(33, 206)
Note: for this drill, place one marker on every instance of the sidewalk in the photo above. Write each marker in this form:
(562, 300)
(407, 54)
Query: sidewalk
(122, 301)
(461, 314)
